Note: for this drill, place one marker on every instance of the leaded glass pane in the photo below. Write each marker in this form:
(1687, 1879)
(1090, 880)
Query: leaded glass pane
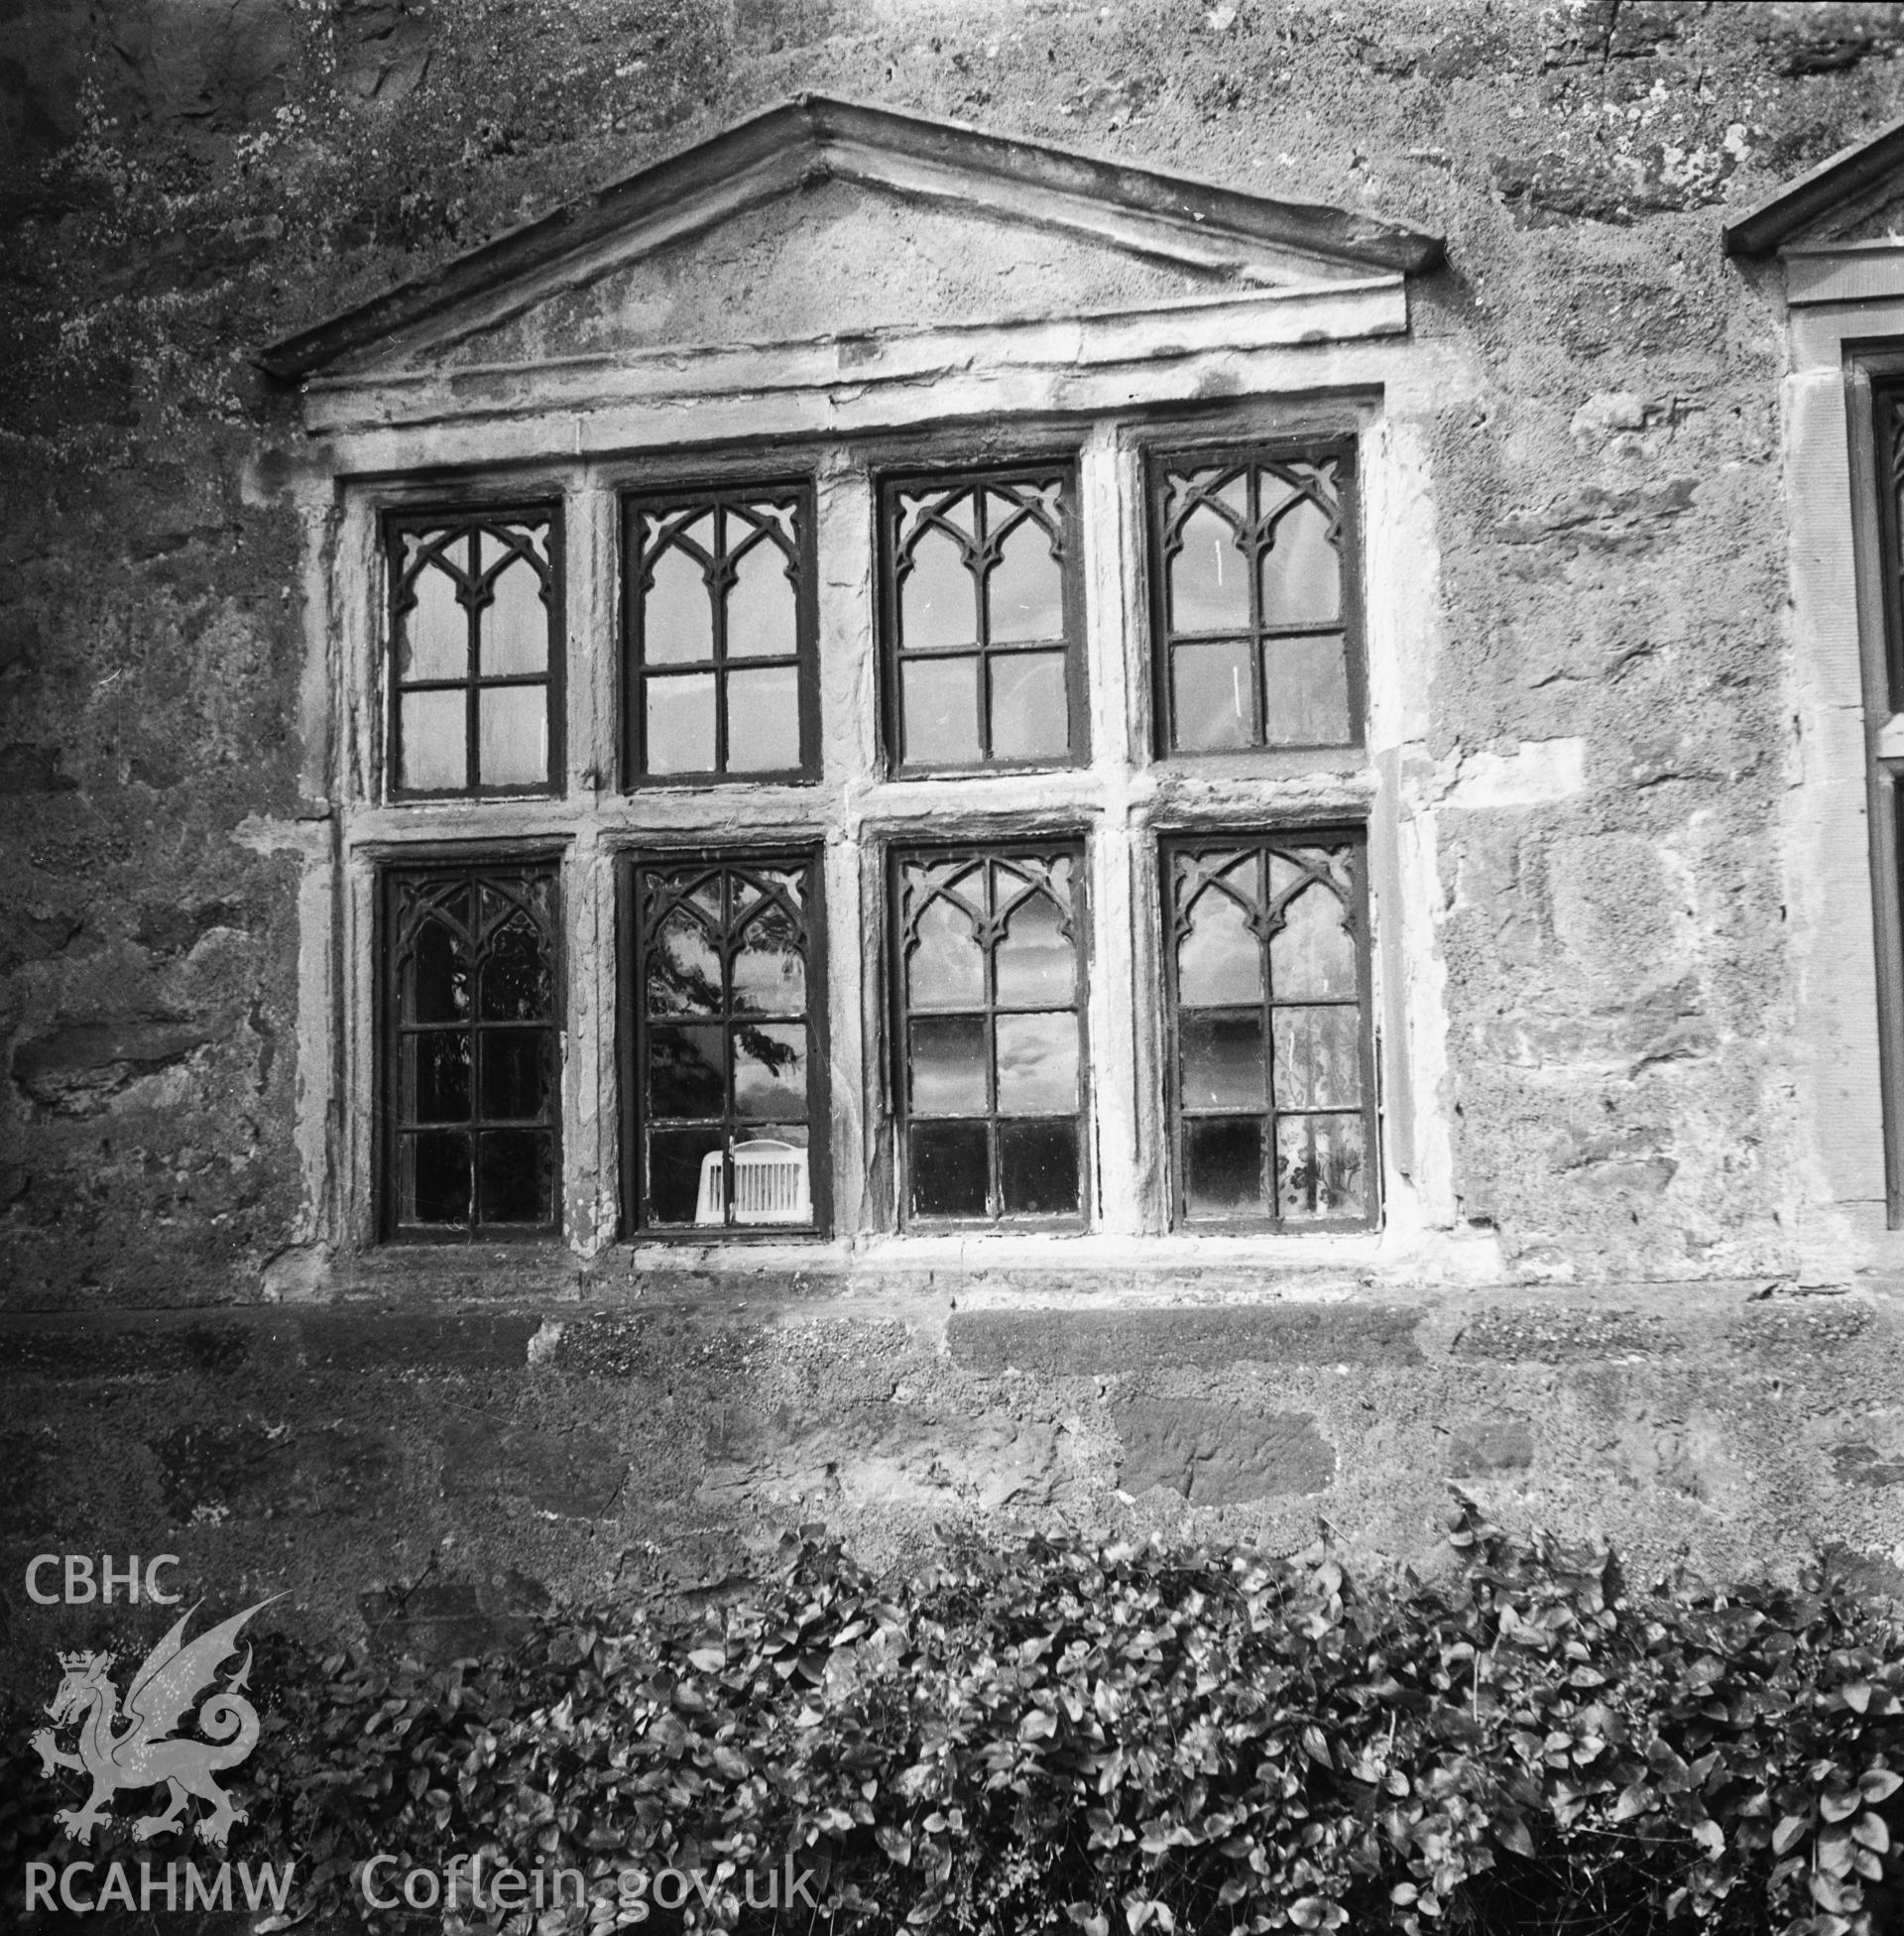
(940, 697)
(433, 729)
(511, 734)
(434, 635)
(514, 623)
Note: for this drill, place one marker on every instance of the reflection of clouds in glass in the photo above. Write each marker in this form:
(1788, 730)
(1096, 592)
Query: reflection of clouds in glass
(948, 1065)
(1219, 962)
(1313, 952)
(947, 968)
(770, 971)
(1038, 1064)
(1036, 961)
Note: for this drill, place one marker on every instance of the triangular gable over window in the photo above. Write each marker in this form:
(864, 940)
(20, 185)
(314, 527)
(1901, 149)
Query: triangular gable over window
(1839, 227)
(862, 237)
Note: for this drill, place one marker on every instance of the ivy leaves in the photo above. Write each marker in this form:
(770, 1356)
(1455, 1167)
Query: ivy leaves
(1068, 1739)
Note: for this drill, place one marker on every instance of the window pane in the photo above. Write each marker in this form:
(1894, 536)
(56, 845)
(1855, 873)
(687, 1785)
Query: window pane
(1222, 1164)
(939, 700)
(1313, 953)
(441, 1064)
(1318, 1058)
(1305, 690)
(516, 1175)
(434, 740)
(1301, 569)
(1027, 585)
(1220, 962)
(947, 968)
(769, 1070)
(764, 720)
(769, 967)
(434, 635)
(516, 1074)
(1319, 1168)
(1039, 1168)
(1038, 1064)
(1209, 578)
(762, 615)
(515, 626)
(1222, 1060)
(938, 596)
(513, 725)
(684, 1176)
(948, 1065)
(1030, 719)
(677, 610)
(684, 969)
(947, 1169)
(438, 977)
(686, 1076)
(516, 983)
(1036, 961)
(681, 723)
(1211, 695)
(438, 1183)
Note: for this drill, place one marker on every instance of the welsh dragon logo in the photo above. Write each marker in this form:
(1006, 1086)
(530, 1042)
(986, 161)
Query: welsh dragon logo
(147, 1752)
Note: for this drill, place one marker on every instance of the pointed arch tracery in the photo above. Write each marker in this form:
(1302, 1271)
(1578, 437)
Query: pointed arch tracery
(473, 1003)
(1254, 600)
(983, 650)
(989, 1033)
(727, 1073)
(1270, 1066)
(474, 651)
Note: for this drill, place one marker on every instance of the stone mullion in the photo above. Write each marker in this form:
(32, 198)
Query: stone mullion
(1120, 1195)
(847, 597)
(591, 1092)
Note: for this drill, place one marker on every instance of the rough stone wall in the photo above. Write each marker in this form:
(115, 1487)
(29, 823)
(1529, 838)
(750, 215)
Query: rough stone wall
(184, 181)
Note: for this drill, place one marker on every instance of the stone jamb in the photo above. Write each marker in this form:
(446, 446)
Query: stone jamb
(1830, 845)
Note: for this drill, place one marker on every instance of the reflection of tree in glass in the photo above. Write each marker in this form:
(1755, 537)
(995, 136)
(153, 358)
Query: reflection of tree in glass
(694, 969)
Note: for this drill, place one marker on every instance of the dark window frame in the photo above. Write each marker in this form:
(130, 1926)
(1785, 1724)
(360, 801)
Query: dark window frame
(720, 494)
(1076, 841)
(1264, 840)
(631, 1043)
(394, 523)
(387, 945)
(1186, 453)
(889, 484)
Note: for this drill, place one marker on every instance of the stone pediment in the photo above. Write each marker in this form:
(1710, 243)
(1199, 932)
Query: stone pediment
(824, 221)
(1855, 196)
